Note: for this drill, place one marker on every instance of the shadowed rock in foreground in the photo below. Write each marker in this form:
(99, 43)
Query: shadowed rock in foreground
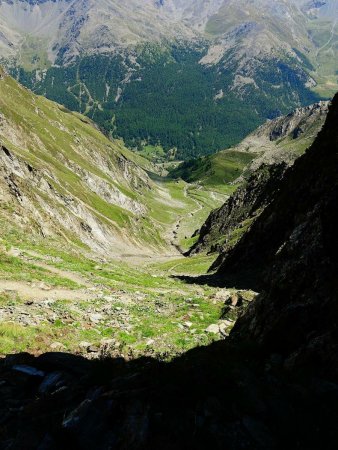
(272, 385)
(291, 252)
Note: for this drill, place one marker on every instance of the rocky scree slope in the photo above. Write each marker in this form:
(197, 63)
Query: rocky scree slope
(272, 385)
(60, 177)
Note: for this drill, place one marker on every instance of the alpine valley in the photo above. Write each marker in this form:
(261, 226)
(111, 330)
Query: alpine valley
(168, 224)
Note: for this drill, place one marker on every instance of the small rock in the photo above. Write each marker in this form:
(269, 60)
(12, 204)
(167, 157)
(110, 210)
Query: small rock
(188, 324)
(57, 345)
(107, 342)
(28, 370)
(214, 329)
(93, 349)
(150, 342)
(228, 322)
(95, 318)
(223, 295)
(75, 416)
(223, 328)
(52, 382)
(44, 287)
(236, 300)
(85, 344)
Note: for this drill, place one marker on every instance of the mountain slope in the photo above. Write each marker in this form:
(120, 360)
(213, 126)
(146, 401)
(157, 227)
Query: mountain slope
(279, 140)
(70, 27)
(292, 249)
(285, 138)
(226, 225)
(61, 177)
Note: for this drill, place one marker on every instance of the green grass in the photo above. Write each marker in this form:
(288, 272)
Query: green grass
(187, 243)
(216, 170)
(154, 153)
(144, 309)
(14, 269)
(15, 337)
(195, 265)
(157, 308)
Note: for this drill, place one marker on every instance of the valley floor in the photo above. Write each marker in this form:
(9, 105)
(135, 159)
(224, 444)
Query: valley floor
(62, 299)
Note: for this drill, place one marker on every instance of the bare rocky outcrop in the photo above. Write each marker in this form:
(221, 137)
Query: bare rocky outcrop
(37, 202)
(283, 139)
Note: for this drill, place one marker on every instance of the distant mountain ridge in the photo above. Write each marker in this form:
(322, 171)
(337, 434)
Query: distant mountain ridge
(243, 62)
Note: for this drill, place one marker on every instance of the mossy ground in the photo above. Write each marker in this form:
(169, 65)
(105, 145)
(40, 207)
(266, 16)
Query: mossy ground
(143, 310)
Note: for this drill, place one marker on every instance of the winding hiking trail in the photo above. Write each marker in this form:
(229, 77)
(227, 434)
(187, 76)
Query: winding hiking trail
(178, 224)
(41, 290)
(38, 291)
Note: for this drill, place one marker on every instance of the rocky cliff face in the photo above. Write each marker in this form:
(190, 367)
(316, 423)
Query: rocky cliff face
(225, 225)
(285, 138)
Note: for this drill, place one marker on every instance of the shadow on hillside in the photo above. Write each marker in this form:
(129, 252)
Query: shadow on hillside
(223, 396)
(238, 281)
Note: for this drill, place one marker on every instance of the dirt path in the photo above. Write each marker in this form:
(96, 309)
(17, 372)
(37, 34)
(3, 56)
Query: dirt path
(75, 277)
(175, 232)
(38, 291)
